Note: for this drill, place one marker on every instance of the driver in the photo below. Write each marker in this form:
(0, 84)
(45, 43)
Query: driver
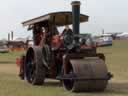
(67, 30)
(67, 37)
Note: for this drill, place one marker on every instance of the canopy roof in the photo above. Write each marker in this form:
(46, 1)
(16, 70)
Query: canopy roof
(56, 18)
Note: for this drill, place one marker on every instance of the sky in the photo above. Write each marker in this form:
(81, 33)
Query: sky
(110, 15)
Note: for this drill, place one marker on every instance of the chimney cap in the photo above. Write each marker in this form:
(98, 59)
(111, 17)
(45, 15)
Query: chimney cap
(75, 3)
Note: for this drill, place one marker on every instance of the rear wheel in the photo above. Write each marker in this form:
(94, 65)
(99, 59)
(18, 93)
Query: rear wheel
(34, 68)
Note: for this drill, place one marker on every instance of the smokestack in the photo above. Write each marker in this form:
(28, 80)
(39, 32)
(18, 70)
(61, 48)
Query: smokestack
(8, 36)
(76, 16)
(12, 35)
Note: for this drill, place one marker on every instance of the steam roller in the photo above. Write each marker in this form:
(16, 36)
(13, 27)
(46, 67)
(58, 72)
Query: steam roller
(70, 56)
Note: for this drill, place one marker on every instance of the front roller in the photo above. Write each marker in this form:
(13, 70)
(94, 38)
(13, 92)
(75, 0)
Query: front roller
(35, 69)
(89, 74)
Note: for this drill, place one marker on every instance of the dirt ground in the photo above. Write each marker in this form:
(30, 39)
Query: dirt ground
(9, 68)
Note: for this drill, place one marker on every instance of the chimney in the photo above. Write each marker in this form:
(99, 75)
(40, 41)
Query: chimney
(12, 35)
(76, 16)
(8, 36)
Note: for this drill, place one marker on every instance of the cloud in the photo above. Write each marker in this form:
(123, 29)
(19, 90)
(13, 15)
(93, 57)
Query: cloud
(103, 14)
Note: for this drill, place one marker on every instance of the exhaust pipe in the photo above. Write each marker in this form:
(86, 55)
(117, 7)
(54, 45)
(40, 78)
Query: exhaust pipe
(76, 16)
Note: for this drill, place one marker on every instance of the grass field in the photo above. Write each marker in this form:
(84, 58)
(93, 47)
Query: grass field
(116, 60)
(9, 58)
